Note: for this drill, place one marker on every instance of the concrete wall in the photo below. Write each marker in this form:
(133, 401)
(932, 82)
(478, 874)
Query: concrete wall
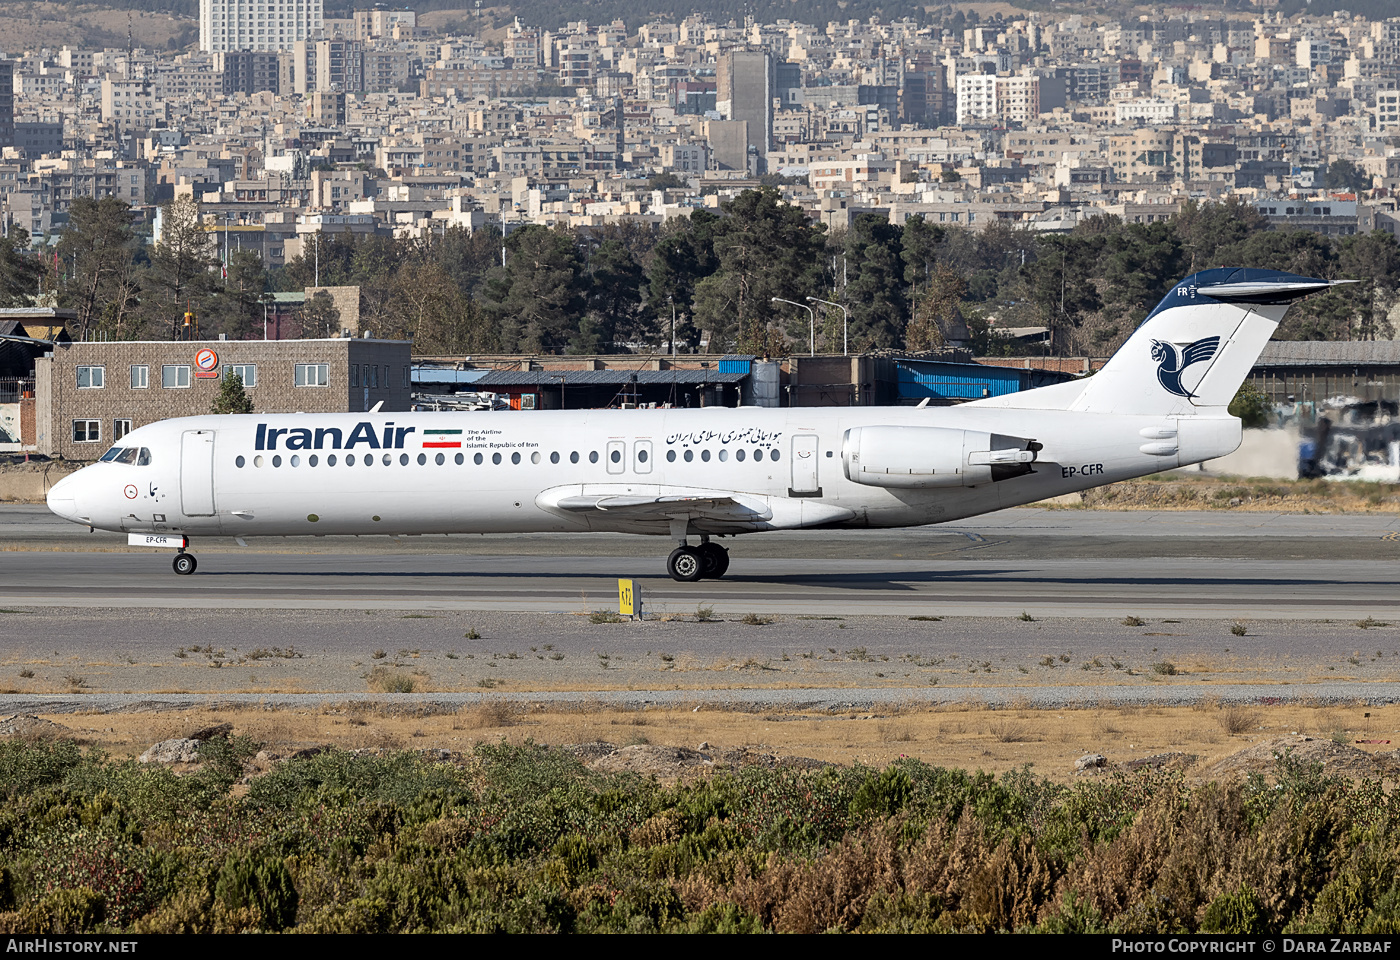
(347, 302)
(43, 406)
(30, 482)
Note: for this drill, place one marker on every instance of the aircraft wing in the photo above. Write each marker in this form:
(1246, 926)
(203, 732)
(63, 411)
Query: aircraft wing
(662, 507)
(641, 508)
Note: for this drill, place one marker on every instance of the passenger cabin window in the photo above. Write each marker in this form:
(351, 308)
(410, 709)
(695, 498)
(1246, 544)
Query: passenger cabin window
(313, 374)
(91, 378)
(175, 376)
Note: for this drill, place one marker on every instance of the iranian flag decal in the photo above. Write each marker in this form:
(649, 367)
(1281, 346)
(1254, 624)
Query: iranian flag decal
(442, 438)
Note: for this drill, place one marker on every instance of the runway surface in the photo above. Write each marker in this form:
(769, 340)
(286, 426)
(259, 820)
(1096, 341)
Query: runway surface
(1066, 563)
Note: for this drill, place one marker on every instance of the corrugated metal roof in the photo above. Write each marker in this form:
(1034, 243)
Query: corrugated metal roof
(447, 375)
(1311, 353)
(531, 378)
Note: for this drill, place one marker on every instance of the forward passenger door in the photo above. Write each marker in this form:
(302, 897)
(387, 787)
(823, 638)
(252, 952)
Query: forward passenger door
(197, 473)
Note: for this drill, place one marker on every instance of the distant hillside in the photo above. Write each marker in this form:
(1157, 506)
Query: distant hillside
(27, 25)
(172, 24)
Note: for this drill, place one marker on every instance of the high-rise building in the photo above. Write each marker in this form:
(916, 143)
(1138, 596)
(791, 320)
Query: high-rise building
(248, 72)
(7, 103)
(260, 25)
(746, 85)
(977, 97)
(340, 66)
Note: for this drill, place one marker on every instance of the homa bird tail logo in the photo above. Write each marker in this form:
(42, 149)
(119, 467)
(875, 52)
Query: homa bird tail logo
(1172, 363)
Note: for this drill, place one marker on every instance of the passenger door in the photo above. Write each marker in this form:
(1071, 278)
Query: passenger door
(804, 466)
(197, 473)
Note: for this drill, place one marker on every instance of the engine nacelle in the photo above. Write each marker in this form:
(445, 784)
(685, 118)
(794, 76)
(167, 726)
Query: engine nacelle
(933, 457)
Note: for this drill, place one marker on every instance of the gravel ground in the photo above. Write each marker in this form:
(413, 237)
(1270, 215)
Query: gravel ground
(125, 656)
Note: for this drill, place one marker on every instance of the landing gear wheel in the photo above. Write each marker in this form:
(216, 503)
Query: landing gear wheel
(715, 560)
(684, 564)
(185, 564)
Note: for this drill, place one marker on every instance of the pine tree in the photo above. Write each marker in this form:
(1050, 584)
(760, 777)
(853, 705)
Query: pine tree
(232, 397)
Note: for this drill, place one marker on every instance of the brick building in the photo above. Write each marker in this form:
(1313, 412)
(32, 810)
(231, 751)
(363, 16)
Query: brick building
(89, 394)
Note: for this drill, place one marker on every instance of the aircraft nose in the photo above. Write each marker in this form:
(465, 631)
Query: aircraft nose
(62, 498)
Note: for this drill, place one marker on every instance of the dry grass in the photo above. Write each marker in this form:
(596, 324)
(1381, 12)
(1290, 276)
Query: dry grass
(1237, 720)
(496, 713)
(895, 733)
(385, 680)
(1006, 730)
(1187, 492)
(967, 736)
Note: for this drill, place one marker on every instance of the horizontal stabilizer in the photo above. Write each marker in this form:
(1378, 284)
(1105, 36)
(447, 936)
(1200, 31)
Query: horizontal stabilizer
(1267, 291)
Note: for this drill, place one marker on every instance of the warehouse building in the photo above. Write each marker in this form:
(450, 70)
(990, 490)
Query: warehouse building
(88, 395)
(1310, 372)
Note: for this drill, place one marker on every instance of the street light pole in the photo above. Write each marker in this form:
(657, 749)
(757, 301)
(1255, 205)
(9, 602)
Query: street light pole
(845, 315)
(811, 324)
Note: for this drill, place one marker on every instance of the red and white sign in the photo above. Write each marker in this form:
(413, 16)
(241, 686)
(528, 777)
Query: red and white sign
(130, 492)
(206, 363)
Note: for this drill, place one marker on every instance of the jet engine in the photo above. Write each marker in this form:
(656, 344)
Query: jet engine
(933, 457)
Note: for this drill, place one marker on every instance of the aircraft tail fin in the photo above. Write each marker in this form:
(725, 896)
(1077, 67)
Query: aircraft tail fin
(1194, 350)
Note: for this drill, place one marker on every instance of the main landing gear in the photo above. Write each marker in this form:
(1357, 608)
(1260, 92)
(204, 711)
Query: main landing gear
(708, 561)
(185, 563)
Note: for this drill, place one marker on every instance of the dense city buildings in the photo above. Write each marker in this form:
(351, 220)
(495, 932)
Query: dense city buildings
(1034, 116)
(285, 128)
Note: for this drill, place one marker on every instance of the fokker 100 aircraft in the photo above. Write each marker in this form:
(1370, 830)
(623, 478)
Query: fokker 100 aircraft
(1159, 403)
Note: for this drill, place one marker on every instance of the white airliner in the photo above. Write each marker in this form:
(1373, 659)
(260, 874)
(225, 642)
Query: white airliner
(1159, 403)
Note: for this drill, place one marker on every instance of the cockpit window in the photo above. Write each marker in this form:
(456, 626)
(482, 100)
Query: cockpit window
(139, 456)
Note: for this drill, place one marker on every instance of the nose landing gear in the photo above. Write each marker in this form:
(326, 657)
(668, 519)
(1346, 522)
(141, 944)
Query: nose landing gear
(185, 563)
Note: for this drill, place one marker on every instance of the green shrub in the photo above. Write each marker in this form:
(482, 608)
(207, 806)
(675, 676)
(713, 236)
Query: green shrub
(883, 793)
(108, 866)
(261, 883)
(1251, 405)
(1237, 912)
(1073, 915)
(718, 918)
(71, 910)
(1385, 916)
(577, 857)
